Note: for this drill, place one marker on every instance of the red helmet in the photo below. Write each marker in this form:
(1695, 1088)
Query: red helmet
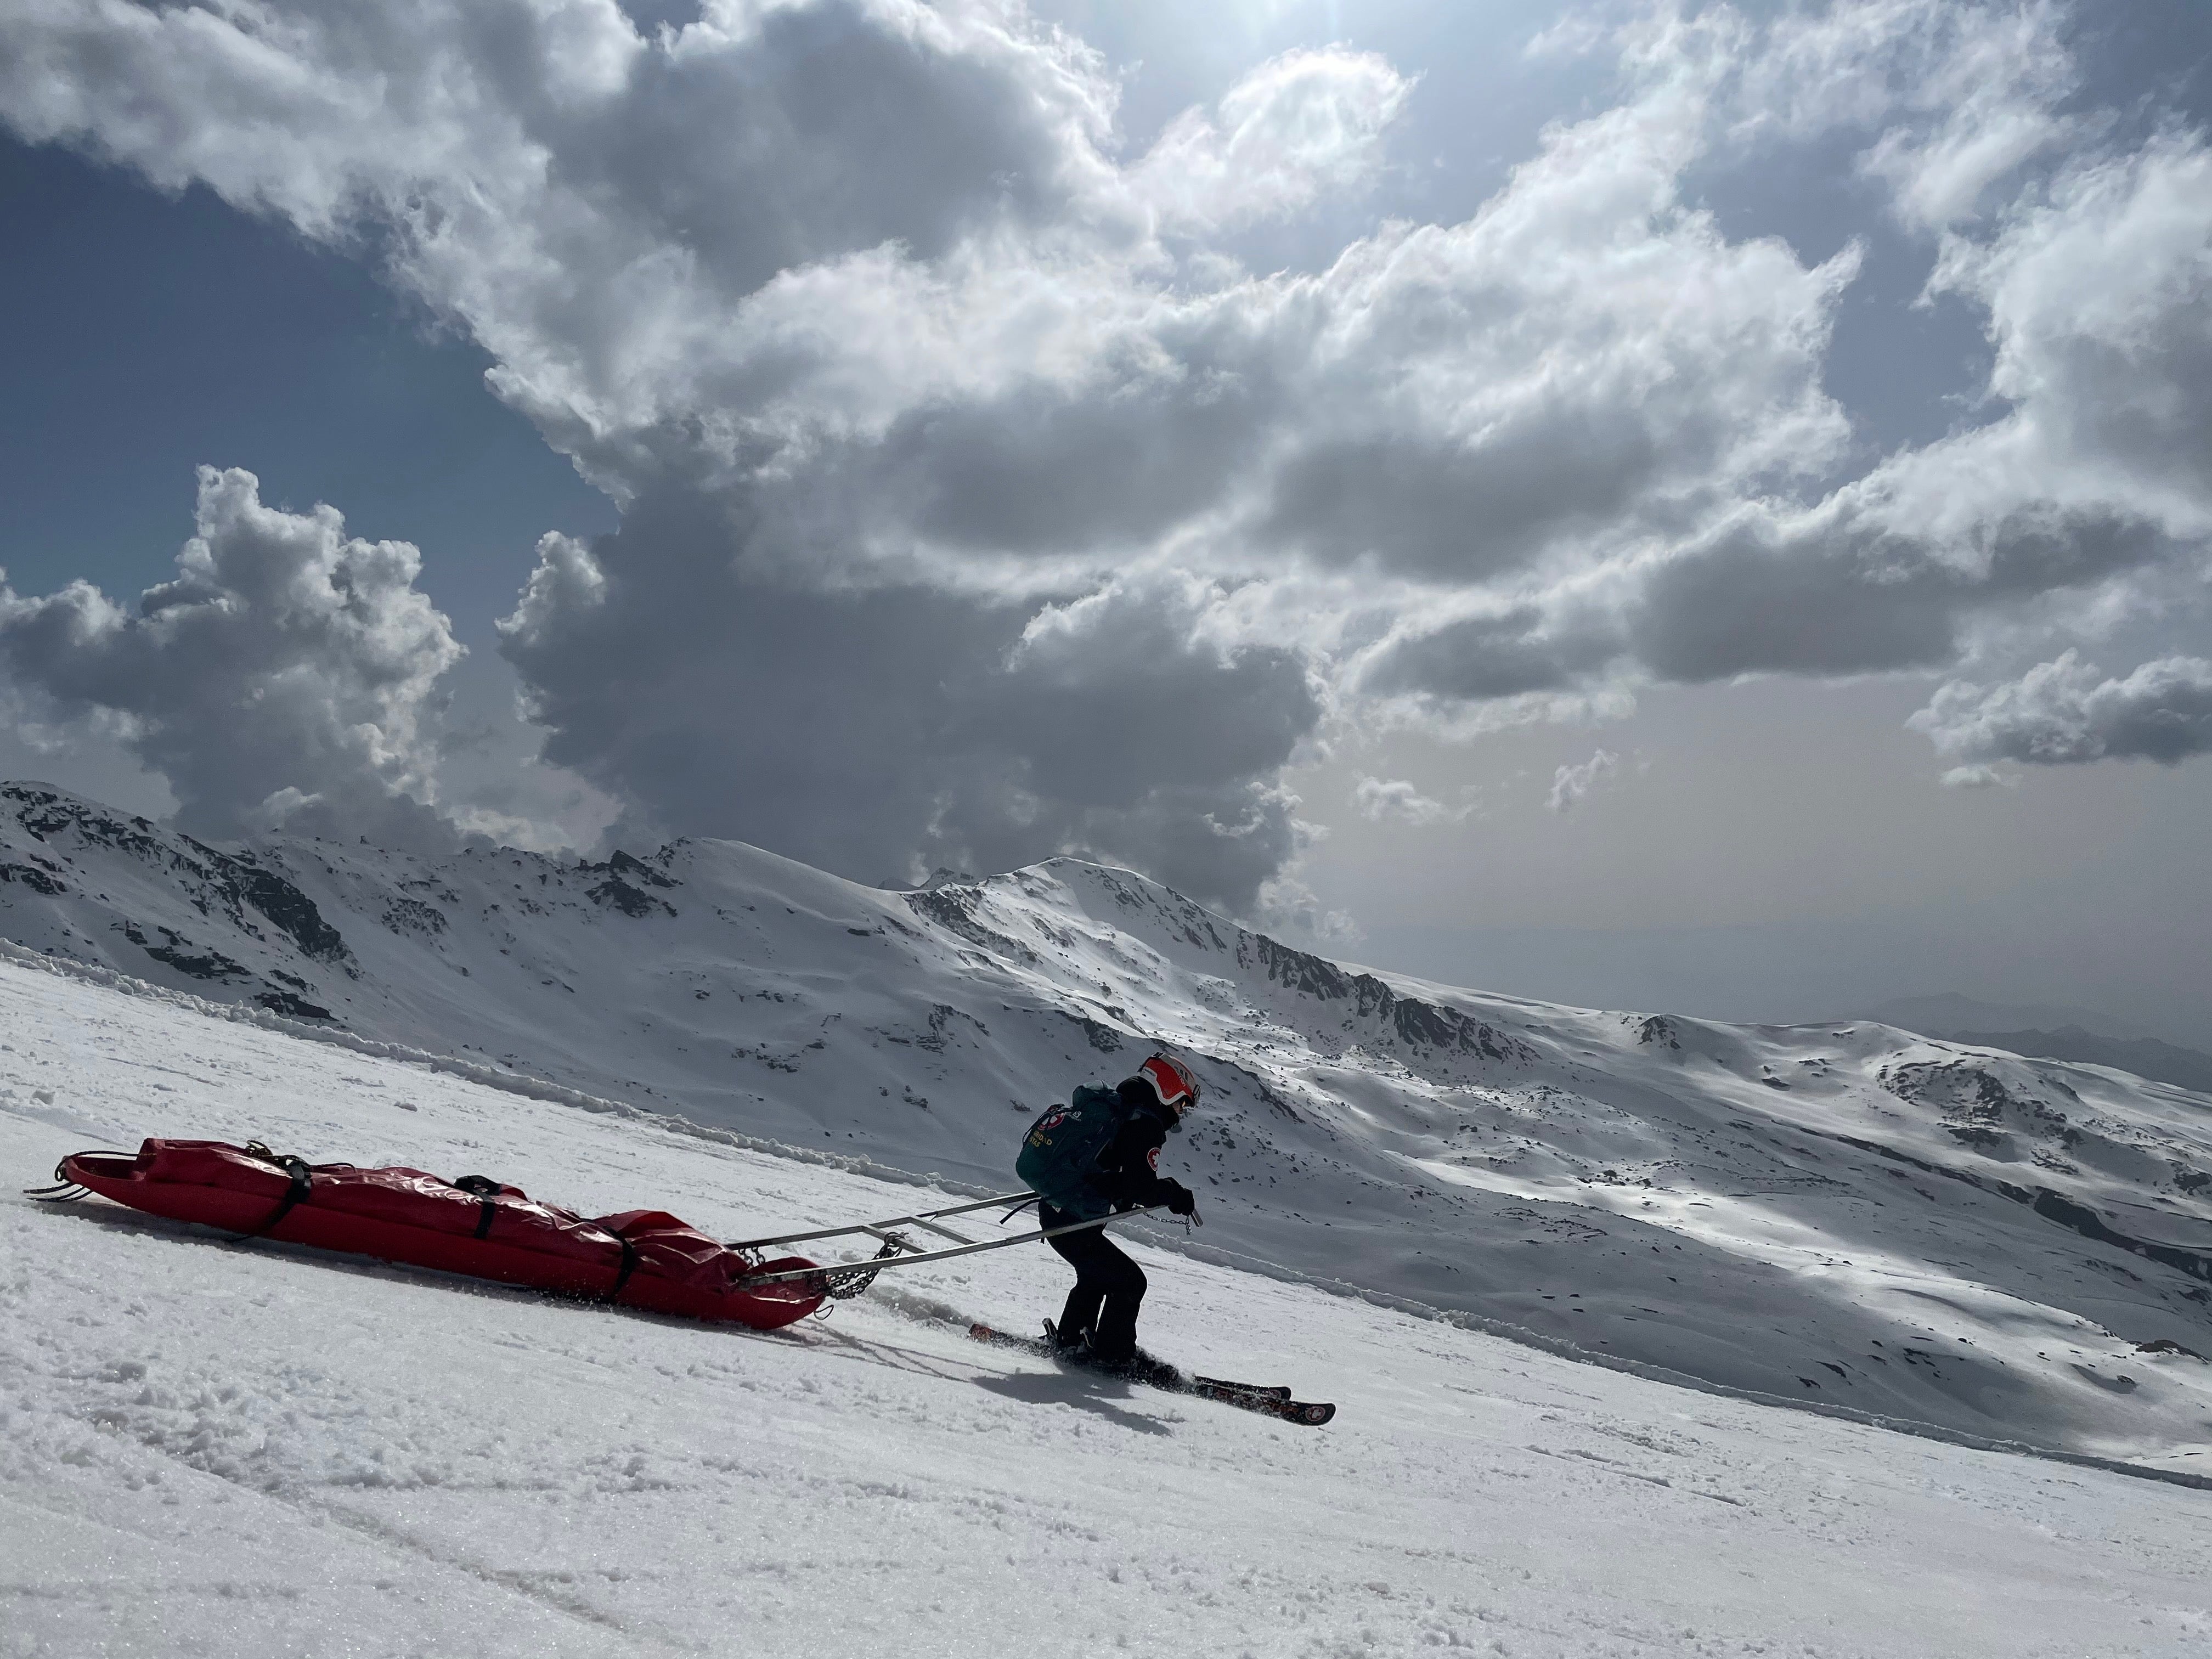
(1172, 1082)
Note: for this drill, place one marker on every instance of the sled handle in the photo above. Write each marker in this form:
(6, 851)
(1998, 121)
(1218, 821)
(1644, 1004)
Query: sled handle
(923, 1220)
(916, 1260)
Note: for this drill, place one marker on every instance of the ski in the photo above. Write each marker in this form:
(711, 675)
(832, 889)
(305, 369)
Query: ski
(1309, 1413)
(983, 1332)
(1275, 1391)
(1267, 1401)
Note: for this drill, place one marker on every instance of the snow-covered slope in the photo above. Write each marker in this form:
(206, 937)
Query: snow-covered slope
(248, 1451)
(1850, 1215)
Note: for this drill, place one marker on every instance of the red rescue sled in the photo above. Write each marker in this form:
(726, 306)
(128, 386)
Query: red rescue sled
(640, 1259)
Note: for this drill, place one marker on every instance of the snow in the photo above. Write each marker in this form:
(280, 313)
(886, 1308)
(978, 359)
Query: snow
(1850, 1216)
(248, 1450)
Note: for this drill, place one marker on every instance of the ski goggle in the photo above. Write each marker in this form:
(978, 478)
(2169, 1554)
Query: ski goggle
(1171, 1080)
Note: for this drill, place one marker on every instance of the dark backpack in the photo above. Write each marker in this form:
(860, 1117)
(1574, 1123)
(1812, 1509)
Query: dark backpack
(1060, 1152)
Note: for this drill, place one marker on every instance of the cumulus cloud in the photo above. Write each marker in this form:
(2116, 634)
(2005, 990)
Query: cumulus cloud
(2063, 713)
(1288, 907)
(2089, 494)
(1571, 785)
(286, 678)
(978, 505)
(1978, 777)
(1394, 800)
(1300, 126)
(2099, 299)
(1960, 97)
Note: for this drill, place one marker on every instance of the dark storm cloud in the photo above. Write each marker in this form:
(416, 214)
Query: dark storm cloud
(1052, 470)
(882, 731)
(1841, 591)
(1485, 657)
(1756, 599)
(1463, 512)
(2047, 549)
(1099, 695)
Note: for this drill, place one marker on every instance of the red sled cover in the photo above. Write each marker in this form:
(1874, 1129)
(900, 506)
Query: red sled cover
(640, 1259)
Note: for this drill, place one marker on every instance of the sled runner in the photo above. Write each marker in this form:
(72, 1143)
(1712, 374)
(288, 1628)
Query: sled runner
(644, 1259)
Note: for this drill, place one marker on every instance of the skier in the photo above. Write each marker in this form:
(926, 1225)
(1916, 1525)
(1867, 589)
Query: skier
(1096, 1156)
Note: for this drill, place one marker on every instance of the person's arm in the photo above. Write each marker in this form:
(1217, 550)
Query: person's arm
(1128, 1173)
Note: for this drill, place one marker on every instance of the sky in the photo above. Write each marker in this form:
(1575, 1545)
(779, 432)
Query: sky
(1687, 506)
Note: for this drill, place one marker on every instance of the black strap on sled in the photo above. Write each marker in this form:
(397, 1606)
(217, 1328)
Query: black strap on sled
(303, 1182)
(486, 1190)
(629, 1266)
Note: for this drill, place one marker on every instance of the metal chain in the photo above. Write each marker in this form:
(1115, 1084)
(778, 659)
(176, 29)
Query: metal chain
(841, 1284)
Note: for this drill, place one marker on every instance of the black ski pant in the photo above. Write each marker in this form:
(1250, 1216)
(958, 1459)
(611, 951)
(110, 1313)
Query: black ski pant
(1108, 1290)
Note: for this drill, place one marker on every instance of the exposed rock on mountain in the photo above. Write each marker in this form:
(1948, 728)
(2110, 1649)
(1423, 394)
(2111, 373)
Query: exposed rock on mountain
(2162, 1062)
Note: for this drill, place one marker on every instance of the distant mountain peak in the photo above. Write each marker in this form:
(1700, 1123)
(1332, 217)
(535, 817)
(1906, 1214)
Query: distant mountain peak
(1951, 1012)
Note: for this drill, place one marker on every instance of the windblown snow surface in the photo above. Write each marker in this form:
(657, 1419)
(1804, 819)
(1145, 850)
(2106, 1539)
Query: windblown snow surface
(1846, 1215)
(249, 1451)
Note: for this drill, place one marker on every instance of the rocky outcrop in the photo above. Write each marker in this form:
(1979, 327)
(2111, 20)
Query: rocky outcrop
(236, 886)
(626, 878)
(1421, 1026)
(54, 843)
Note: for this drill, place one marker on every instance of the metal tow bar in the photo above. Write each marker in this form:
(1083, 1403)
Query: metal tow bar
(850, 1279)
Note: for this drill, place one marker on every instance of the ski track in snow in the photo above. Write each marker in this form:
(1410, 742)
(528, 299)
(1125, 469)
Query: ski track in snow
(249, 1451)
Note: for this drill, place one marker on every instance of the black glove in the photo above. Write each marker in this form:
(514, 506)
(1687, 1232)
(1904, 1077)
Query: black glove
(1179, 1199)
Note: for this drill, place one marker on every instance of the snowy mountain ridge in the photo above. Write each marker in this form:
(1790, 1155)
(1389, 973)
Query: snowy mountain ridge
(1851, 1214)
